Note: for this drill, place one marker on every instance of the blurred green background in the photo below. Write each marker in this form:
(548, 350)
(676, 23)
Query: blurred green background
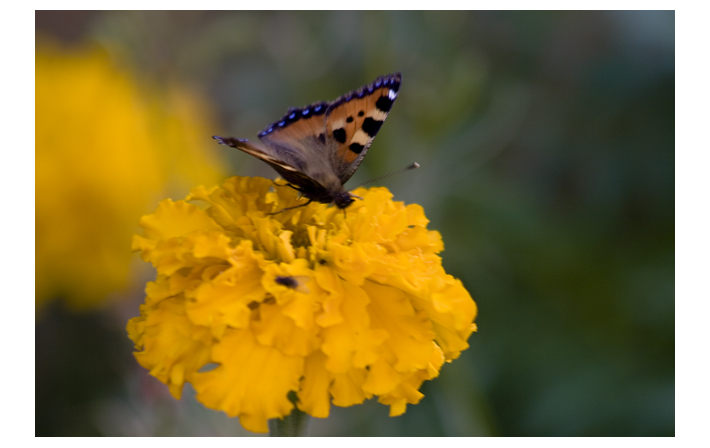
(546, 141)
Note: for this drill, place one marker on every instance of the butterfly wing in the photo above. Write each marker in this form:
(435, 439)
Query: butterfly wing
(353, 120)
(286, 162)
(300, 139)
(298, 127)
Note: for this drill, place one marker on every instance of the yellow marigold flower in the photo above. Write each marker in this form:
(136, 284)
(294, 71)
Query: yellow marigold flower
(334, 306)
(106, 150)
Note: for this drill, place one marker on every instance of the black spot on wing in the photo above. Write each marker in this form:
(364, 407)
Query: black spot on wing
(361, 113)
(339, 135)
(356, 148)
(349, 119)
(384, 103)
(371, 126)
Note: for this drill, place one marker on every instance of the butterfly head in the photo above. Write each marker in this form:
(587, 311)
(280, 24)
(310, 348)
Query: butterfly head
(342, 199)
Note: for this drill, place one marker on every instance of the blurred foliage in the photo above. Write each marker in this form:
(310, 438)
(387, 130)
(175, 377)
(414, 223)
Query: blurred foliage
(107, 149)
(546, 141)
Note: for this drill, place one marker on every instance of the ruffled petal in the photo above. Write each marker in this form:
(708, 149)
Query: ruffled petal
(169, 345)
(252, 380)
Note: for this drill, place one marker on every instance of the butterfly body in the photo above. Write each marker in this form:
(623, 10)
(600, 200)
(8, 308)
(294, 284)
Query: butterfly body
(317, 148)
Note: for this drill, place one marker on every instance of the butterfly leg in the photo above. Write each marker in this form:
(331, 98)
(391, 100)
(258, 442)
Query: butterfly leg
(289, 208)
(287, 185)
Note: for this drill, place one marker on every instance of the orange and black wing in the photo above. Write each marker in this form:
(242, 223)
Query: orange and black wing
(354, 119)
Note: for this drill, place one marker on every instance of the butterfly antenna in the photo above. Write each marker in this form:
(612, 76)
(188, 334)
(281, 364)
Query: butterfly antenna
(400, 171)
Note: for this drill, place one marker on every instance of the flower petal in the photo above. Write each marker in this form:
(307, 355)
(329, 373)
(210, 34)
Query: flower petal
(172, 348)
(251, 382)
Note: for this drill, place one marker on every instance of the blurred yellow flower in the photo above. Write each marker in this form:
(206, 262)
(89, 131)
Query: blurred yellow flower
(106, 151)
(334, 306)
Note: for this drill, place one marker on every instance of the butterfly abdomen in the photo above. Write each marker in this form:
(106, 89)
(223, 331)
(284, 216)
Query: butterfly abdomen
(329, 190)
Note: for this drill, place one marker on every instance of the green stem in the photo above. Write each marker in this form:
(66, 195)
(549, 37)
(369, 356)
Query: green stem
(293, 425)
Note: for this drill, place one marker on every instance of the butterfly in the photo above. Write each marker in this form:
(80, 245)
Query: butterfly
(317, 148)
